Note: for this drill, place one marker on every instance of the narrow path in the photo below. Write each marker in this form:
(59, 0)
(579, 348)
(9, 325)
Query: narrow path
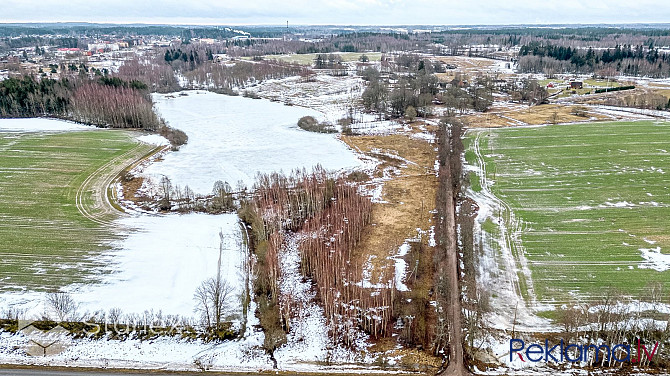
(93, 196)
(456, 366)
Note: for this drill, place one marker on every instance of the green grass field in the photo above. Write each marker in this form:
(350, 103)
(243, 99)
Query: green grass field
(45, 240)
(589, 197)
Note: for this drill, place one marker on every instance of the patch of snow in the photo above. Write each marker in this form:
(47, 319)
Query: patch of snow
(40, 125)
(401, 267)
(654, 259)
(157, 265)
(154, 139)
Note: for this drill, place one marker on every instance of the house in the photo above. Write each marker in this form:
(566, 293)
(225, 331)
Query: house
(576, 85)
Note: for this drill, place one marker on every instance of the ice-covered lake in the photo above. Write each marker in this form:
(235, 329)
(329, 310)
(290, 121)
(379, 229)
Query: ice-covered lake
(233, 138)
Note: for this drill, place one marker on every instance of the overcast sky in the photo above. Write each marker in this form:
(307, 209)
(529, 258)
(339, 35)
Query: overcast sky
(337, 12)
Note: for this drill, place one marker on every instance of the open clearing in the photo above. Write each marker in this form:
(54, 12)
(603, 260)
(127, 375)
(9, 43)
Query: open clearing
(51, 224)
(591, 202)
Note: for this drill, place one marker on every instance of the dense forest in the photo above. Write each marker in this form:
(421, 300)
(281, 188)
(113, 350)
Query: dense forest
(105, 102)
(538, 57)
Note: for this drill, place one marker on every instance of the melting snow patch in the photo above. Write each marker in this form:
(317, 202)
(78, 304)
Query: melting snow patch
(401, 267)
(620, 204)
(154, 139)
(655, 259)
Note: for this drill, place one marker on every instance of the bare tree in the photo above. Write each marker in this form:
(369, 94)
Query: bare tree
(213, 296)
(63, 305)
(212, 299)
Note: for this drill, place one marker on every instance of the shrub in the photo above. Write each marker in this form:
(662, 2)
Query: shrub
(176, 137)
(309, 123)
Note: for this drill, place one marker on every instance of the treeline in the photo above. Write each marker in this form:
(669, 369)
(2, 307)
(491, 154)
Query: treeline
(640, 99)
(413, 90)
(212, 75)
(449, 196)
(105, 102)
(151, 70)
(173, 197)
(549, 58)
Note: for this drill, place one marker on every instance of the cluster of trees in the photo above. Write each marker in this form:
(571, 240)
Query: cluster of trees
(413, 90)
(346, 42)
(330, 214)
(112, 106)
(326, 253)
(241, 74)
(614, 318)
(156, 74)
(309, 123)
(330, 61)
(27, 97)
(185, 200)
(643, 99)
(526, 90)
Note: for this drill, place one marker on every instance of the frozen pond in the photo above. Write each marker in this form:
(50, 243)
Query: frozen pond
(234, 138)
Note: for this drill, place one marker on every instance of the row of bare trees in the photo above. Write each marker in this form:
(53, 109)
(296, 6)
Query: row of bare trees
(185, 200)
(327, 214)
(117, 107)
(212, 74)
(159, 76)
(615, 318)
(326, 251)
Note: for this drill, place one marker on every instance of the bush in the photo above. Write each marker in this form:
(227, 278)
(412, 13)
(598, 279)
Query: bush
(358, 176)
(580, 111)
(410, 113)
(309, 123)
(250, 94)
(176, 137)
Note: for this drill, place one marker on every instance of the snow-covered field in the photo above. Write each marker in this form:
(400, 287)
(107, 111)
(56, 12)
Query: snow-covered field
(40, 125)
(157, 265)
(233, 138)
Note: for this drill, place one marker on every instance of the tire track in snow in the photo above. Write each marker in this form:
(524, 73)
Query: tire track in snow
(101, 210)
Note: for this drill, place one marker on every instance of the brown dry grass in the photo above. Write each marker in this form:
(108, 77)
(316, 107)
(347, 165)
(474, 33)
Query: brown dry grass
(664, 92)
(546, 114)
(410, 194)
(464, 62)
(542, 114)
